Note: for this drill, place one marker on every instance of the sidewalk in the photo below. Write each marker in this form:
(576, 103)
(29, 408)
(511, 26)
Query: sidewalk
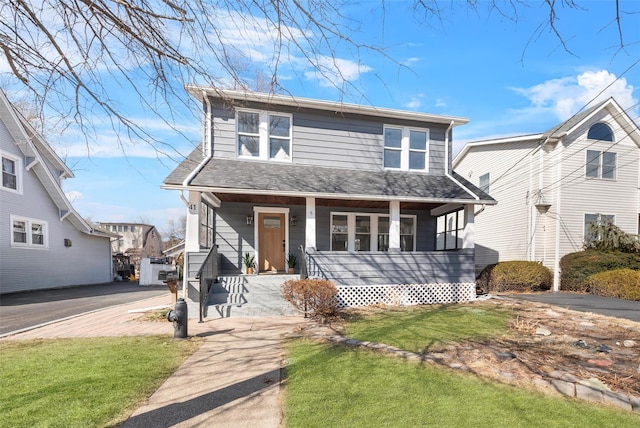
(232, 380)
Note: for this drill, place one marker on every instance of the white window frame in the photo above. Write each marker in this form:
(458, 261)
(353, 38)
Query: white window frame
(373, 229)
(405, 148)
(600, 165)
(456, 231)
(598, 220)
(264, 138)
(18, 165)
(29, 222)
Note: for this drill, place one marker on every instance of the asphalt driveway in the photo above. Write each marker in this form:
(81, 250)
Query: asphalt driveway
(587, 303)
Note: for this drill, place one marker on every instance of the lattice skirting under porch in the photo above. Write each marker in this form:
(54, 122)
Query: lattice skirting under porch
(406, 294)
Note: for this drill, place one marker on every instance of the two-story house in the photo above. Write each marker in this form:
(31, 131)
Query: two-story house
(44, 242)
(367, 193)
(136, 240)
(550, 186)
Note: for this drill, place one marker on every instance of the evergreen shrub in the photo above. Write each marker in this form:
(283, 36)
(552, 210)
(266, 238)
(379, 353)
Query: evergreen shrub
(618, 283)
(575, 268)
(515, 276)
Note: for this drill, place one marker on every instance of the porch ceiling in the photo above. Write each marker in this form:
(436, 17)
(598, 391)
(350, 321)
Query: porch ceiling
(290, 200)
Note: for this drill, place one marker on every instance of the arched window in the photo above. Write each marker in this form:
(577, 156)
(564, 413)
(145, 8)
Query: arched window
(600, 131)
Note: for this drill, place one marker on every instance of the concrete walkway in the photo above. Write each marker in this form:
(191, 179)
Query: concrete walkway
(232, 380)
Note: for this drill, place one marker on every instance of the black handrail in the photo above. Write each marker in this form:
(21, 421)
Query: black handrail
(208, 271)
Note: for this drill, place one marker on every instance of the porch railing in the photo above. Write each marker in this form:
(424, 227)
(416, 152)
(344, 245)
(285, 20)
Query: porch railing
(208, 272)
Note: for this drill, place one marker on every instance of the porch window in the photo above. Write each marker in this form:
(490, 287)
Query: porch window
(450, 230)
(264, 135)
(406, 149)
(26, 232)
(10, 173)
(369, 232)
(207, 225)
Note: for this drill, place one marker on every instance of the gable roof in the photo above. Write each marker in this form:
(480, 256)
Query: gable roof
(285, 179)
(564, 128)
(35, 149)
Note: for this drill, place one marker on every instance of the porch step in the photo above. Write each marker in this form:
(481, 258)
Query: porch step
(248, 295)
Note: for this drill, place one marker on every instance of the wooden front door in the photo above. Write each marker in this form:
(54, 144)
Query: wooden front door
(271, 242)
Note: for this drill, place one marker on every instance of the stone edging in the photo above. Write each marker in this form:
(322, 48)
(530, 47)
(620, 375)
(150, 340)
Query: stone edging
(563, 382)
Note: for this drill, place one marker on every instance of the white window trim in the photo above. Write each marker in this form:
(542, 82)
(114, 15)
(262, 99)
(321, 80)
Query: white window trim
(351, 228)
(598, 216)
(19, 173)
(405, 148)
(600, 165)
(29, 244)
(263, 134)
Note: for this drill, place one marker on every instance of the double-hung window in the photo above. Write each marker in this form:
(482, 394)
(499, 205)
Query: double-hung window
(27, 232)
(263, 135)
(601, 165)
(592, 223)
(484, 182)
(369, 232)
(450, 231)
(406, 148)
(11, 173)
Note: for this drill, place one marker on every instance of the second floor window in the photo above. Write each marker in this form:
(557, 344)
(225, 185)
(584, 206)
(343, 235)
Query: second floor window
(484, 182)
(264, 135)
(601, 164)
(10, 168)
(406, 149)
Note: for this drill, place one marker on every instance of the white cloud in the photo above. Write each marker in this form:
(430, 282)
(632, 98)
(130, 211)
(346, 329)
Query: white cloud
(565, 96)
(333, 72)
(415, 102)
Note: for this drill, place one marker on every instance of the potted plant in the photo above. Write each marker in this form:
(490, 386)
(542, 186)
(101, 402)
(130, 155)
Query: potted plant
(248, 261)
(291, 262)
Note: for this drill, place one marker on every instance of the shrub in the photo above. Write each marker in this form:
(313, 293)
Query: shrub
(313, 297)
(576, 267)
(604, 235)
(515, 276)
(619, 283)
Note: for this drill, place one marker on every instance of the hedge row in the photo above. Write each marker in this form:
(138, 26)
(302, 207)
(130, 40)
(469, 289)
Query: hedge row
(575, 268)
(619, 283)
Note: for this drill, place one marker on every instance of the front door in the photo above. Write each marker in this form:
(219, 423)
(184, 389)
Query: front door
(271, 242)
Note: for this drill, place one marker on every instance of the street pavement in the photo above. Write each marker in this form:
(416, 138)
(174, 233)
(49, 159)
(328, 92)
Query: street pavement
(19, 311)
(586, 303)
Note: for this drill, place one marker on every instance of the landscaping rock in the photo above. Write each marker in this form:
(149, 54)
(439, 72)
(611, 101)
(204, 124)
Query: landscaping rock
(603, 348)
(600, 363)
(629, 343)
(581, 344)
(542, 332)
(504, 356)
(595, 383)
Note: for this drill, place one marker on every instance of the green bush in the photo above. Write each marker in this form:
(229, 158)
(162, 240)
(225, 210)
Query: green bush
(313, 297)
(515, 276)
(619, 283)
(575, 268)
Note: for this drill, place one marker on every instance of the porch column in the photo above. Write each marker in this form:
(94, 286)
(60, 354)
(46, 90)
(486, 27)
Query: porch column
(310, 224)
(394, 226)
(469, 238)
(192, 238)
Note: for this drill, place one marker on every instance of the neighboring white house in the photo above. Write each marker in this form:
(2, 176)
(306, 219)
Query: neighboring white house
(44, 243)
(549, 186)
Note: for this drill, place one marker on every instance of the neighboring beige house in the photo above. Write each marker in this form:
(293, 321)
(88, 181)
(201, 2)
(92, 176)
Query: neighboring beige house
(549, 186)
(137, 240)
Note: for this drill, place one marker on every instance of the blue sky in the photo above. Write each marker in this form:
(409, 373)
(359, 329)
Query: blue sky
(508, 77)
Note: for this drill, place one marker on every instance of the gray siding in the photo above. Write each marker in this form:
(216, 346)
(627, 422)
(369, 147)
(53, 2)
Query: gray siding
(87, 261)
(324, 139)
(375, 268)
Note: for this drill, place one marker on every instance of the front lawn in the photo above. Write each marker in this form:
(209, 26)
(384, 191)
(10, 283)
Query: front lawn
(341, 386)
(419, 329)
(83, 382)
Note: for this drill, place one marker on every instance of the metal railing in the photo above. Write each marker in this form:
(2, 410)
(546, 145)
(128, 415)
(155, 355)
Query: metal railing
(208, 271)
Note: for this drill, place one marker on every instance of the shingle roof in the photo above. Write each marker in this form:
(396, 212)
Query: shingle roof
(241, 176)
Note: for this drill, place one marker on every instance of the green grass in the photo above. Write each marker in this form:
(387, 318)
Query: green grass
(336, 386)
(83, 382)
(419, 329)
